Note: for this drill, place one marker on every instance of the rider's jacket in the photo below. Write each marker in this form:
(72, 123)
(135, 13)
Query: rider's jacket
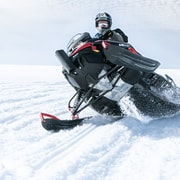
(116, 35)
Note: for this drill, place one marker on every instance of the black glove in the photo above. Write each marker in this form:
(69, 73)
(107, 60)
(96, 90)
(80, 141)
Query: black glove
(106, 35)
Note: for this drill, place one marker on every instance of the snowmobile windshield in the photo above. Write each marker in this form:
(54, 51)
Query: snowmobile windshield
(77, 40)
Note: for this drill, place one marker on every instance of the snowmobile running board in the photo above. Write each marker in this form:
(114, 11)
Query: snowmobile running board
(52, 123)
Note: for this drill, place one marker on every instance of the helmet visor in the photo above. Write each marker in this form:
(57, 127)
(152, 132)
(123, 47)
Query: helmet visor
(103, 24)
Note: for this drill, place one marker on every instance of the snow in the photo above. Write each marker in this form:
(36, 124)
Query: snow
(131, 148)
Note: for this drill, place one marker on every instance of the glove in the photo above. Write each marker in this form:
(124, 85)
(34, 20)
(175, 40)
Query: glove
(107, 35)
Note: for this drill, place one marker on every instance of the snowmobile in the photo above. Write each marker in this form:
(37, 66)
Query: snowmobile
(103, 72)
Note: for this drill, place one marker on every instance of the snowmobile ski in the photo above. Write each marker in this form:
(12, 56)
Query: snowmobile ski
(52, 123)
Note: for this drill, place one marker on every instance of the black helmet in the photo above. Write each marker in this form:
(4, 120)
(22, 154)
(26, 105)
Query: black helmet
(103, 17)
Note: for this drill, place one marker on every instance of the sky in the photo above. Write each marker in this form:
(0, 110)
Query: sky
(32, 30)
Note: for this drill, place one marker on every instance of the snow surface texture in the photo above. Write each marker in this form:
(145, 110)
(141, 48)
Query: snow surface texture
(131, 148)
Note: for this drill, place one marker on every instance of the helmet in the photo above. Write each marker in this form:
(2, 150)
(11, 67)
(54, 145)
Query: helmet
(105, 20)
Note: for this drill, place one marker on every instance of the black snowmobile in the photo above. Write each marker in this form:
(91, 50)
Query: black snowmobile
(103, 72)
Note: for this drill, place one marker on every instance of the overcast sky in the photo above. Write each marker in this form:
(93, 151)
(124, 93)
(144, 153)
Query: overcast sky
(32, 30)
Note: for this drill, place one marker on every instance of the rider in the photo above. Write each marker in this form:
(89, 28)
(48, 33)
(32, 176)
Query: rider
(103, 22)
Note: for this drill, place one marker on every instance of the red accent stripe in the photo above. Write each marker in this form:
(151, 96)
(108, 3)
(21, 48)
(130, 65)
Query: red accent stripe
(43, 115)
(105, 44)
(88, 44)
(131, 49)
